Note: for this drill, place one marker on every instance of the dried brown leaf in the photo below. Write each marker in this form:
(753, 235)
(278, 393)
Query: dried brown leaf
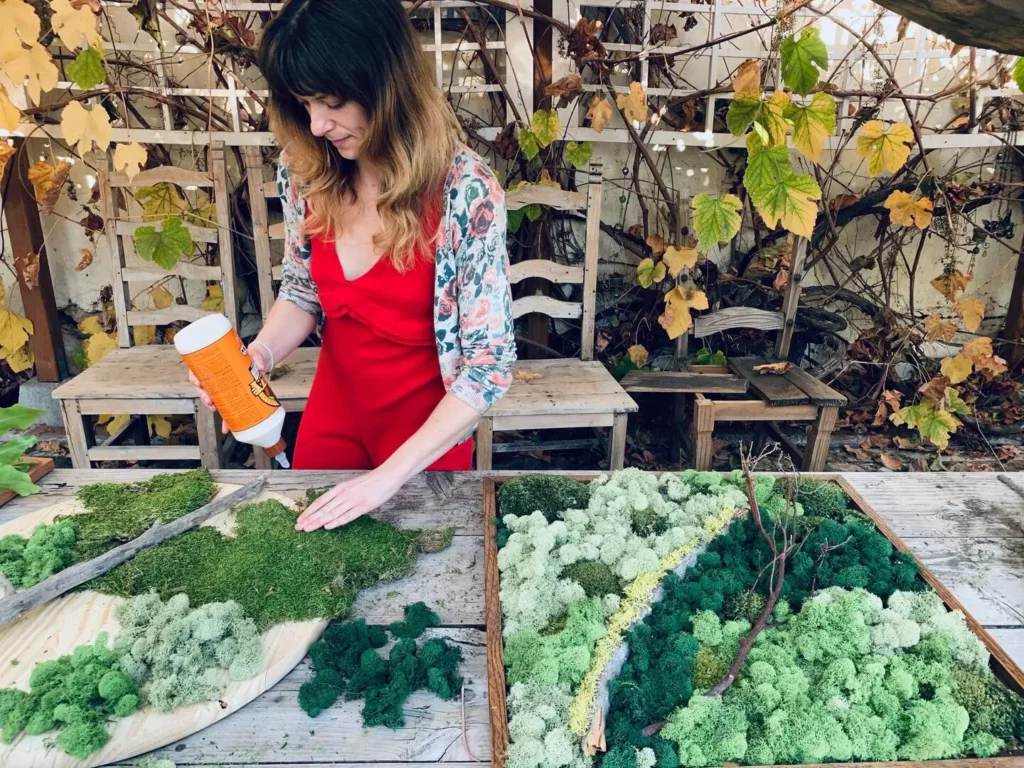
(890, 462)
(773, 369)
(85, 261)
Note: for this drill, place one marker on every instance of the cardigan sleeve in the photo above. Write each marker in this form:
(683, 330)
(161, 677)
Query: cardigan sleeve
(297, 286)
(486, 332)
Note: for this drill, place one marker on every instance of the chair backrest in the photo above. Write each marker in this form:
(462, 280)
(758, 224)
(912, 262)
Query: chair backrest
(120, 232)
(585, 276)
(760, 319)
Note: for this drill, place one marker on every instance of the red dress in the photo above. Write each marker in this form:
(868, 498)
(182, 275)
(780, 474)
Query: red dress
(378, 378)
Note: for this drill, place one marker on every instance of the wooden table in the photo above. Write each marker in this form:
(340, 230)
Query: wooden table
(967, 527)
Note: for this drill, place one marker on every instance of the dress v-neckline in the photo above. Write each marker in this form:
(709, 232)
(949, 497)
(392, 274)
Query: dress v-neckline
(341, 267)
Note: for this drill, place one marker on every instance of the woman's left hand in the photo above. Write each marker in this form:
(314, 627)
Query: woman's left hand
(349, 500)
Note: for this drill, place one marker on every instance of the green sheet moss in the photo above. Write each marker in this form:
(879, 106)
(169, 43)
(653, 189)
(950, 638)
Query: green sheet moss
(549, 494)
(275, 572)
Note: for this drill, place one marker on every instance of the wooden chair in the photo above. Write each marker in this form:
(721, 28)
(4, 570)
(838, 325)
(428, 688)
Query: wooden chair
(561, 394)
(792, 396)
(149, 379)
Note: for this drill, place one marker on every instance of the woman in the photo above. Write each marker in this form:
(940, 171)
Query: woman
(395, 233)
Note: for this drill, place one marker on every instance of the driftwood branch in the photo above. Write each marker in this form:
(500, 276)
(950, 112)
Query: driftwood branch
(20, 602)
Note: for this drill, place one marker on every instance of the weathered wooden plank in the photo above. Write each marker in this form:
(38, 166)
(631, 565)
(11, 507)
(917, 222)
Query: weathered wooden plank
(185, 269)
(540, 194)
(164, 174)
(546, 269)
(775, 390)
(683, 382)
(273, 729)
(818, 392)
(546, 305)
(144, 452)
(498, 714)
(167, 316)
(943, 504)
(736, 317)
(759, 410)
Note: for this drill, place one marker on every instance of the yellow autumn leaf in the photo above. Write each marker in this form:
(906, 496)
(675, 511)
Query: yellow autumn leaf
(638, 355)
(14, 340)
(144, 334)
(214, 301)
(906, 211)
(676, 318)
(746, 83)
(90, 325)
(937, 329)
(885, 150)
(159, 425)
(949, 284)
(162, 298)
(6, 153)
(600, 113)
(18, 22)
(47, 182)
(956, 369)
(634, 103)
(971, 311)
(113, 424)
(32, 66)
(73, 25)
(656, 243)
(98, 346)
(979, 351)
(85, 127)
(130, 158)
(678, 259)
(10, 115)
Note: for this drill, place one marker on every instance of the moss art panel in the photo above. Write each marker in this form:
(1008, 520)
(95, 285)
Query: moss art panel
(622, 611)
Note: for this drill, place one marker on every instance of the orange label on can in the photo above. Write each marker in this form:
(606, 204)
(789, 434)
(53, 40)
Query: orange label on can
(234, 383)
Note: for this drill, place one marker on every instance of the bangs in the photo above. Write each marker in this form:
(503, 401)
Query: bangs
(303, 64)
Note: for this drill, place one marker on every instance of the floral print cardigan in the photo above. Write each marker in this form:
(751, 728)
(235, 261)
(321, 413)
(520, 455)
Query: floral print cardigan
(472, 296)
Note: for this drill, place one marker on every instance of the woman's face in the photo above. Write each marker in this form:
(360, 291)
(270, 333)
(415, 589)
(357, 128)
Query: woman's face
(344, 125)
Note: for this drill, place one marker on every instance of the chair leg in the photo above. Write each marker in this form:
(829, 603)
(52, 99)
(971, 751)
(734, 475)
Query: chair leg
(617, 442)
(78, 436)
(209, 437)
(703, 427)
(819, 437)
(484, 442)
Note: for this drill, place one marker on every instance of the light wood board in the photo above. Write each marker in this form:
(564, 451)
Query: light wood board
(56, 628)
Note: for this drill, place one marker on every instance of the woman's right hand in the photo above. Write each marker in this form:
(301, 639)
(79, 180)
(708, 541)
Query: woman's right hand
(258, 355)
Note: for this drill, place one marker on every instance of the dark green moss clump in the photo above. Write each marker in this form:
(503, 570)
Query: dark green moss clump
(346, 664)
(596, 578)
(549, 494)
(120, 512)
(821, 498)
(275, 572)
(75, 694)
(746, 605)
(993, 707)
(647, 522)
(417, 618)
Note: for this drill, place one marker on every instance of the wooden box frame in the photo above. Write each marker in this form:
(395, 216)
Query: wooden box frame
(1002, 665)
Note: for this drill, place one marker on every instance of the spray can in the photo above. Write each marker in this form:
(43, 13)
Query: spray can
(216, 355)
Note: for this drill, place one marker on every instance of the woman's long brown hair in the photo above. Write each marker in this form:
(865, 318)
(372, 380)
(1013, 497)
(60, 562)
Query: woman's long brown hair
(363, 51)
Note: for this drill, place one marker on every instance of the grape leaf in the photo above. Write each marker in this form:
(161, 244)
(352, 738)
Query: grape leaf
(954, 404)
(676, 319)
(746, 82)
(10, 115)
(578, 154)
(638, 355)
(90, 325)
(144, 334)
(656, 243)
(161, 297)
(971, 311)
(803, 56)
(937, 329)
(98, 346)
(956, 369)
(214, 301)
(47, 182)
(85, 127)
(600, 113)
(73, 25)
(159, 425)
(130, 158)
(979, 351)
(932, 423)
(949, 284)
(906, 211)
(779, 194)
(634, 103)
(648, 274)
(32, 66)
(18, 22)
(545, 126)
(528, 143)
(741, 115)
(885, 150)
(812, 124)
(678, 259)
(87, 69)
(6, 153)
(766, 117)
(166, 246)
(14, 336)
(715, 219)
(1018, 73)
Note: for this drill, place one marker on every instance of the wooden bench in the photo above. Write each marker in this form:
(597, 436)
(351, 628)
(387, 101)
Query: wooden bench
(137, 381)
(561, 394)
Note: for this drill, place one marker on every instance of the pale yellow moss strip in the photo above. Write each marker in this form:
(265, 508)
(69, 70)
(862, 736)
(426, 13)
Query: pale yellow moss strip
(637, 597)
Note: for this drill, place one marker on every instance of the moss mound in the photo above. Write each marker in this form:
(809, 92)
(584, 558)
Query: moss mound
(549, 494)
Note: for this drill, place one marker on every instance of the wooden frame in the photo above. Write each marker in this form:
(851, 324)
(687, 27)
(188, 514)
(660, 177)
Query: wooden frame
(1002, 665)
